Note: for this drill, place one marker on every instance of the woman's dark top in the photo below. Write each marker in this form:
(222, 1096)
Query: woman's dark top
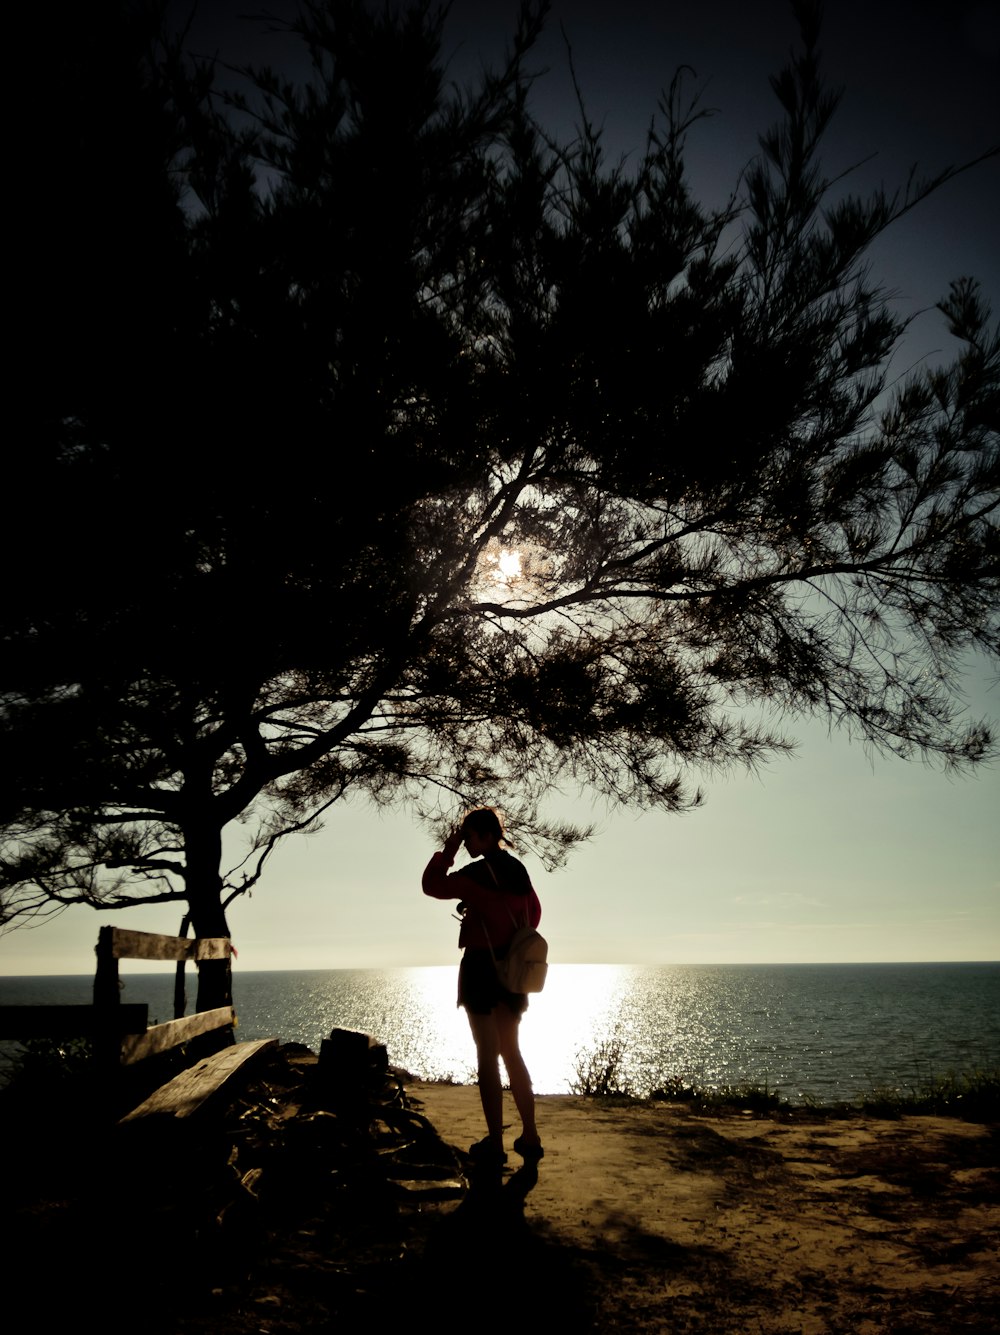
(497, 892)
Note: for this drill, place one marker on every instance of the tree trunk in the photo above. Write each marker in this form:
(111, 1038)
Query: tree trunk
(203, 859)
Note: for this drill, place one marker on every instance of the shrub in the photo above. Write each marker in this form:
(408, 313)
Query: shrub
(600, 1071)
(676, 1089)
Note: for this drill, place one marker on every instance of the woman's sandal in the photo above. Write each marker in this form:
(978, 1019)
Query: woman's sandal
(486, 1152)
(526, 1150)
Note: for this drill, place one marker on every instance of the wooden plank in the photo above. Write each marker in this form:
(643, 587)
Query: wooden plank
(191, 1090)
(72, 1021)
(129, 945)
(162, 1037)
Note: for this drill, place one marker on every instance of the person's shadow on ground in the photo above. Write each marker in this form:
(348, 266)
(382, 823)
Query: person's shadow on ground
(485, 1268)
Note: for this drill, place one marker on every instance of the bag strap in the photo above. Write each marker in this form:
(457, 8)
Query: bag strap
(482, 920)
(526, 923)
(507, 906)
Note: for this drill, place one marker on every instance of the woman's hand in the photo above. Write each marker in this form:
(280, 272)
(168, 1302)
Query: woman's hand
(453, 843)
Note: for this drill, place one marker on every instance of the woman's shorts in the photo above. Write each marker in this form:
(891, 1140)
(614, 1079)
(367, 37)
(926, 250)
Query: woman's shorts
(479, 988)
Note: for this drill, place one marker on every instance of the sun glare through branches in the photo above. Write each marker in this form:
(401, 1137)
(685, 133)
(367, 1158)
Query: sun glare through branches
(508, 566)
(499, 568)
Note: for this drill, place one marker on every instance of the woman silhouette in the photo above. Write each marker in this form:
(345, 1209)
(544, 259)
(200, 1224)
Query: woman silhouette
(497, 898)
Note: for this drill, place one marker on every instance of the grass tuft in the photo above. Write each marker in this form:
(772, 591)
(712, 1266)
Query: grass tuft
(748, 1096)
(973, 1095)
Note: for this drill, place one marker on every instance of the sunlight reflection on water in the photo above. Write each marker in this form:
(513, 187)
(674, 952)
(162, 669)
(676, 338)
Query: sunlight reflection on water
(414, 1012)
(828, 1032)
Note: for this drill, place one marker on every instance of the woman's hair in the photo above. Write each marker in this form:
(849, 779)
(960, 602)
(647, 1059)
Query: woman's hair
(486, 822)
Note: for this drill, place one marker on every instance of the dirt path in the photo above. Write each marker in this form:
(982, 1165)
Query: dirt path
(716, 1224)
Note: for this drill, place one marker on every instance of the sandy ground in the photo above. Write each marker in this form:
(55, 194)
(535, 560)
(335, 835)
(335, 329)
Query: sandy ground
(677, 1222)
(301, 1206)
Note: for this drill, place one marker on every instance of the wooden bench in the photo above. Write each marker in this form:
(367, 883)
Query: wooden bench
(189, 1092)
(121, 1033)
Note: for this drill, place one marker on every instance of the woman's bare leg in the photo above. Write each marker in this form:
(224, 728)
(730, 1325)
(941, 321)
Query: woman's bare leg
(485, 1032)
(508, 1028)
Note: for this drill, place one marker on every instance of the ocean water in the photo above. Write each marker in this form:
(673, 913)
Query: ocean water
(827, 1032)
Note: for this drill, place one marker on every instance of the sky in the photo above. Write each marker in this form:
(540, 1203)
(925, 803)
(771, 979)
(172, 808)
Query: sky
(831, 855)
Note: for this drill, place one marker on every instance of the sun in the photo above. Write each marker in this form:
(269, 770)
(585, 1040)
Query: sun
(508, 566)
(507, 574)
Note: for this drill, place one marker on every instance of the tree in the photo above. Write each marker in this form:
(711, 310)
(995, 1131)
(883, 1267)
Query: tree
(437, 460)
